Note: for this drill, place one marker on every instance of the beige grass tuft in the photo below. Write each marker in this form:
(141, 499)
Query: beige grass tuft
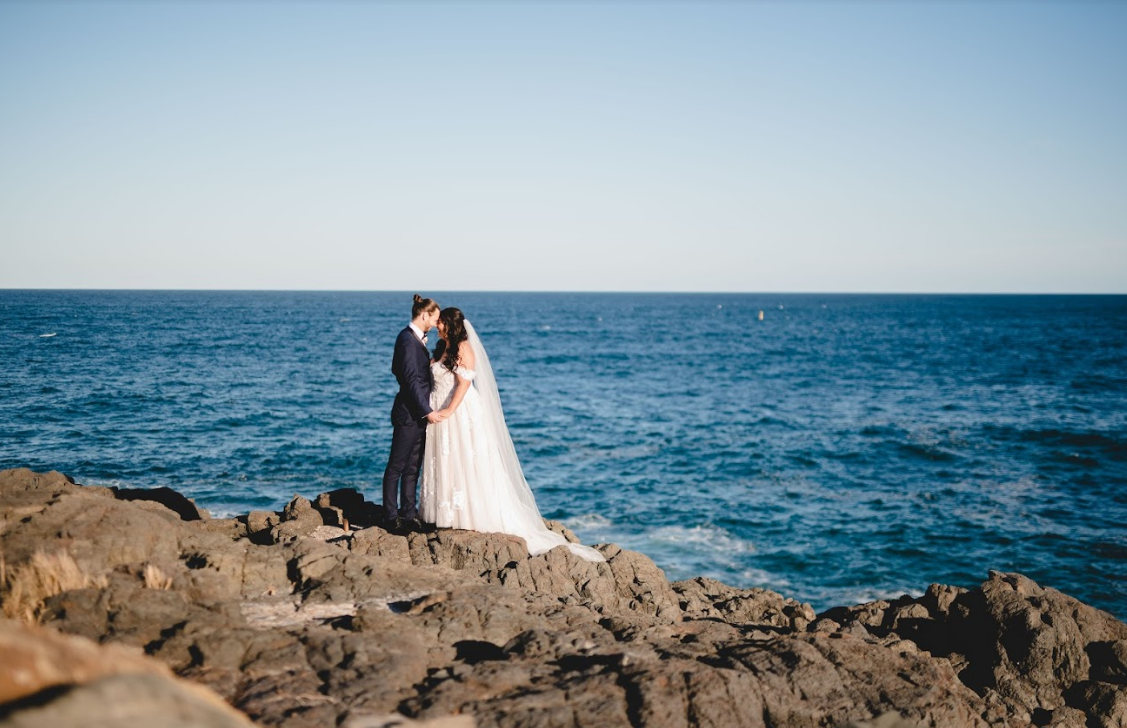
(156, 579)
(26, 587)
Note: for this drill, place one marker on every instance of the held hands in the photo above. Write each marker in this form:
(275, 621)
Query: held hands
(437, 416)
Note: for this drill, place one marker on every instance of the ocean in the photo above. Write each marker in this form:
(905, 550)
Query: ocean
(843, 448)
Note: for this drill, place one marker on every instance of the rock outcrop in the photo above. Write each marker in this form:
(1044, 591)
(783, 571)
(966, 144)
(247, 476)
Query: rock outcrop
(313, 616)
(51, 679)
(1033, 653)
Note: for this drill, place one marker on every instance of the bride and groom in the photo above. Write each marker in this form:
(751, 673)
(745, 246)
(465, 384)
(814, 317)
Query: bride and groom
(447, 422)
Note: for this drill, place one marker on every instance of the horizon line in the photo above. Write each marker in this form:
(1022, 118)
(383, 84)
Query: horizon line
(571, 291)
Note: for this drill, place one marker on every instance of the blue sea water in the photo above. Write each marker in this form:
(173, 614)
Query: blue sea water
(844, 448)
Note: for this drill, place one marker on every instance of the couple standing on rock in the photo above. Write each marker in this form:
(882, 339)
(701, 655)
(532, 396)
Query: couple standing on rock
(447, 422)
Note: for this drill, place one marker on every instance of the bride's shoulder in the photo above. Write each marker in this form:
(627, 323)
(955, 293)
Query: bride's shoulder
(465, 368)
(466, 358)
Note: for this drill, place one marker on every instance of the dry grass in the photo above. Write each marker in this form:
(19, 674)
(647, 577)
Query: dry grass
(26, 587)
(156, 579)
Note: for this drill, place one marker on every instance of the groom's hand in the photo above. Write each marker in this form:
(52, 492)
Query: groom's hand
(434, 418)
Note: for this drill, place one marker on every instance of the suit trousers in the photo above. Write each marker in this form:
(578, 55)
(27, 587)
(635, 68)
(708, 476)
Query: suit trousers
(402, 472)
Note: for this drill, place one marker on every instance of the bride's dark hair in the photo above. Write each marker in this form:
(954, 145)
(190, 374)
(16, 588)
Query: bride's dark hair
(456, 335)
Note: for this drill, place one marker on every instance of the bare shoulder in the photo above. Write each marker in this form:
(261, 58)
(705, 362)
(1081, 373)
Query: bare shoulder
(466, 358)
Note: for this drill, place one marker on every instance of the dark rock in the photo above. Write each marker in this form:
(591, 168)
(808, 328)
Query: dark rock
(22, 480)
(291, 699)
(299, 518)
(138, 616)
(125, 701)
(326, 573)
(375, 668)
(232, 528)
(333, 516)
(296, 508)
(677, 694)
(875, 680)
(1035, 654)
(259, 521)
(1028, 644)
(362, 719)
(476, 552)
(342, 507)
(704, 598)
(562, 530)
(1109, 661)
(639, 584)
(301, 625)
(99, 533)
(1105, 705)
(48, 679)
(887, 720)
(380, 543)
(186, 508)
(939, 599)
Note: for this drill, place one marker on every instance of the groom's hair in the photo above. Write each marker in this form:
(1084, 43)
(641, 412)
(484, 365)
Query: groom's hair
(422, 305)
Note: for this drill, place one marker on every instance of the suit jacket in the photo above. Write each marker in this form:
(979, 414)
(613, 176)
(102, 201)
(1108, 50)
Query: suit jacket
(411, 366)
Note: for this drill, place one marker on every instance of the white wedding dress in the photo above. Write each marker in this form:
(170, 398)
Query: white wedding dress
(472, 478)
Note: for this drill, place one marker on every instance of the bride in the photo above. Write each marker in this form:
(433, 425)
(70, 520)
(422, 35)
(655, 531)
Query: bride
(472, 478)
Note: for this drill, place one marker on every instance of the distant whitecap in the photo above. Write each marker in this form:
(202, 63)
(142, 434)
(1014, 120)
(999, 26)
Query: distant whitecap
(865, 596)
(589, 520)
(712, 538)
(765, 579)
(47, 336)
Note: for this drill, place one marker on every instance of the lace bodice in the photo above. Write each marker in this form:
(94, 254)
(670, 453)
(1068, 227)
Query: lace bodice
(444, 381)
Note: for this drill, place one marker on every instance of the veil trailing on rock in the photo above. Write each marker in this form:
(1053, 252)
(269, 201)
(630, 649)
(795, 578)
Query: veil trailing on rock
(519, 513)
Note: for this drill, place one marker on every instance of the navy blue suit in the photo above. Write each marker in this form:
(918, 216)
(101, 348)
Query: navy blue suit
(411, 366)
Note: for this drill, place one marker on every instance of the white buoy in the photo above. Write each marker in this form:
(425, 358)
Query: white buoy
(760, 314)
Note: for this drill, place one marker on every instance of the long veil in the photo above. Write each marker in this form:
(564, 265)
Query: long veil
(519, 512)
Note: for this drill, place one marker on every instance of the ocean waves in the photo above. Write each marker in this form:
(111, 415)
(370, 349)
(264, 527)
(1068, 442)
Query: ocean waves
(843, 447)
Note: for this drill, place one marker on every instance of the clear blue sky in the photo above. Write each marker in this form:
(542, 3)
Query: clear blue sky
(728, 146)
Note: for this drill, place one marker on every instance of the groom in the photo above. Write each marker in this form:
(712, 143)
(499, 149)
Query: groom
(409, 417)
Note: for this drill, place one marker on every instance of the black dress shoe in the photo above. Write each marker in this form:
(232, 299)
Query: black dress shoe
(417, 525)
(396, 526)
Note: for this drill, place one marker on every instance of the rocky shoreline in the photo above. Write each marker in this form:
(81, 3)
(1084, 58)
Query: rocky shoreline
(153, 613)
